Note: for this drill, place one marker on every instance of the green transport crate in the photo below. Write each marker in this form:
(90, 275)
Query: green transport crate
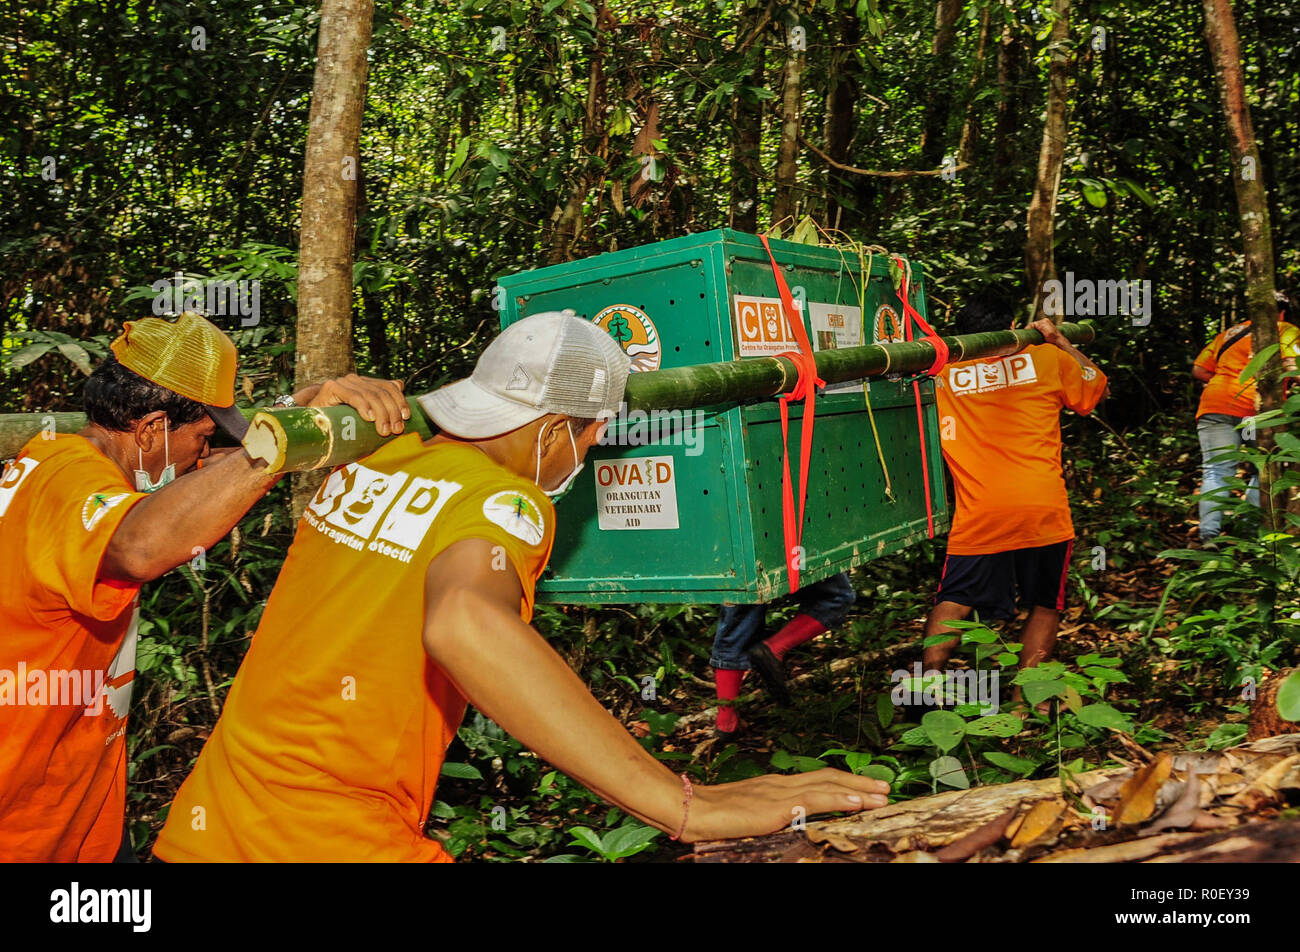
(686, 507)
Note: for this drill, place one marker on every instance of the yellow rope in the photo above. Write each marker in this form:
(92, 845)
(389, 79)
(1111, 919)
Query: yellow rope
(864, 269)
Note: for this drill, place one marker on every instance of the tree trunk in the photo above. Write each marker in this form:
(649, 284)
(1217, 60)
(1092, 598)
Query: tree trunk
(329, 194)
(787, 154)
(1256, 233)
(747, 131)
(567, 219)
(1006, 155)
(1040, 261)
(939, 94)
(969, 126)
(845, 195)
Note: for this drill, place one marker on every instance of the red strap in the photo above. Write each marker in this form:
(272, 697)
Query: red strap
(805, 389)
(910, 317)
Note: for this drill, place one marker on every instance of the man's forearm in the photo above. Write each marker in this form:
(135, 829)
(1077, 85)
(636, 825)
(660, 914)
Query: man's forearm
(509, 672)
(195, 511)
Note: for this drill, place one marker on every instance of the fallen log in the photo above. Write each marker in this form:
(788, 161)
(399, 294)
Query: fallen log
(1061, 822)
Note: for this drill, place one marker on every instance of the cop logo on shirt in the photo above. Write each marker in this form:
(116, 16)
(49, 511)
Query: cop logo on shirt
(96, 505)
(517, 514)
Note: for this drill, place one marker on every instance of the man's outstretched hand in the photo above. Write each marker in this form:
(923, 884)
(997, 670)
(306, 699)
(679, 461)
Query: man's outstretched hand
(771, 803)
(381, 402)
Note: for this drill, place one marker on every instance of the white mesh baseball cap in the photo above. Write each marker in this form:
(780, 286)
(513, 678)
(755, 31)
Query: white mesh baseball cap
(547, 363)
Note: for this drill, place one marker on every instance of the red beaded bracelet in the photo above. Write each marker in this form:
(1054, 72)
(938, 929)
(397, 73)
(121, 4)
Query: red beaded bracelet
(686, 805)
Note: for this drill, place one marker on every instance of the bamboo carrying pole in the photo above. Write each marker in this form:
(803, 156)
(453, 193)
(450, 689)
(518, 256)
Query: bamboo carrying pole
(307, 438)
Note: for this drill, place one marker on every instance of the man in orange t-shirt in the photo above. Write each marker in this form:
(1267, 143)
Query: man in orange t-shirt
(406, 594)
(1011, 528)
(81, 529)
(1225, 402)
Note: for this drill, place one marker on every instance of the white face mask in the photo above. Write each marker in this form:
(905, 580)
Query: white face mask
(564, 487)
(143, 481)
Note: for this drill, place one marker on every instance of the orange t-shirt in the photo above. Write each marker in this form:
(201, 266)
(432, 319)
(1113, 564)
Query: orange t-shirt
(1225, 393)
(1001, 428)
(335, 730)
(67, 654)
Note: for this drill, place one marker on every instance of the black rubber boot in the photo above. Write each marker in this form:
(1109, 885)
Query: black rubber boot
(770, 669)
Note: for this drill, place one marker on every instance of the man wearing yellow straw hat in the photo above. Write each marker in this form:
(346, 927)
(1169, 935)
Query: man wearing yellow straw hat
(85, 520)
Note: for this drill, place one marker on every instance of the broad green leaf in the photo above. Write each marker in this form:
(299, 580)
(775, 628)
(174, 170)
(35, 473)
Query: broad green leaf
(77, 354)
(1035, 692)
(1010, 762)
(995, 725)
(944, 728)
(1094, 193)
(1288, 697)
(584, 836)
(627, 840)
(25, 355)
(1248, 372)
(916, 737)
(885, 709)
(461, 771)
(783, 760)
(877, 772)
(948, 771)
(1103, 715)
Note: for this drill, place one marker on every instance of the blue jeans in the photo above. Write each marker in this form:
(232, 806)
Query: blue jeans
(1218, 433)
(740, 627)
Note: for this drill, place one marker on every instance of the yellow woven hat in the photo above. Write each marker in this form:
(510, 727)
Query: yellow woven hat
(191, 356)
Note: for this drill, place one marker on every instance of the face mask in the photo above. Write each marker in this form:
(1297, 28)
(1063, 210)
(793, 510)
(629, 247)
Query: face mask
(143, 482)
(565, 486)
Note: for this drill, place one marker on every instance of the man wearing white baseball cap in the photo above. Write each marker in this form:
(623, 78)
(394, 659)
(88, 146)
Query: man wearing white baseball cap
(406, 594)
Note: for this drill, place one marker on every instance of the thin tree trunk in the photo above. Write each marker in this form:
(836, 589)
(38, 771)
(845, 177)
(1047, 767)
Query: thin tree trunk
(1040, 261)
(1256, 231)
(969, 126)
(939, 95)
(567, 219)
(787, 155)
(747, 123)
(1006, 155)
(844, 197)
(329, 194)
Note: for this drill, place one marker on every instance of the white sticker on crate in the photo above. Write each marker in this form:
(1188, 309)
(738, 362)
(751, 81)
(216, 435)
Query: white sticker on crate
(835, 327)
(637, 493)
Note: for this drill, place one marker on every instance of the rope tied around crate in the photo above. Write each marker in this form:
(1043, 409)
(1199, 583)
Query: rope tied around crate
(912, 318)
(805, 389)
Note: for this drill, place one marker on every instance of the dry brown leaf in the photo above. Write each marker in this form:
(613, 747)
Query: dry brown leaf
(842, 843)
(1183, 812)
(915, 856)
(1137, 798)
(1037, 822)
(1264, 789)
(973, 842)
(1106, 790)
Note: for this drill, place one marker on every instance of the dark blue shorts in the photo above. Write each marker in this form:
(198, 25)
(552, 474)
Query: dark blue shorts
(989, 583)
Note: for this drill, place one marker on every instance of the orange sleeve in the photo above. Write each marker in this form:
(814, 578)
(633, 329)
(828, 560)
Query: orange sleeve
(1081, 387)
(517, 518)
(1208, 358)
(79, 508)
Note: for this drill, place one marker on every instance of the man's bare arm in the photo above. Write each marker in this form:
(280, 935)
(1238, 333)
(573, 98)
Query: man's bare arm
(199, 508)
(473, 631)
